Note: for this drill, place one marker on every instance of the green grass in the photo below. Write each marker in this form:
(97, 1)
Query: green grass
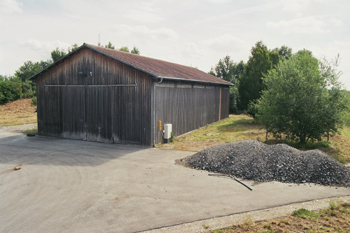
(303, 213)
(307, 146)
(31, 131)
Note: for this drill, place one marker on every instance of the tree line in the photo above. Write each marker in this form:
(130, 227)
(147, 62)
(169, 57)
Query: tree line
(293, 95)
(296, 97)
(17, 86)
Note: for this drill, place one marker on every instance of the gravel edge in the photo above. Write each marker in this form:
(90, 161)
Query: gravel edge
(18, 128)
(258, 215)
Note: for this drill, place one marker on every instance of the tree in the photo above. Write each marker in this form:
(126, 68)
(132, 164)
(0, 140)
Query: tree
(74, 47)
(229, 71)
(284, 52)
(57, 54)
(135, 51)
(124, 49)
(109, 46)
(3, 78)
(251, 84)
(29, 68)
(303, 99)
(9, 91)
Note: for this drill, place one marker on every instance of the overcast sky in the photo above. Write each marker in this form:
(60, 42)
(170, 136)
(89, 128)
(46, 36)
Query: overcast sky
(189, 32)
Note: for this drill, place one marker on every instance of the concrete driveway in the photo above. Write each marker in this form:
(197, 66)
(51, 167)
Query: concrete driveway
(77, 186)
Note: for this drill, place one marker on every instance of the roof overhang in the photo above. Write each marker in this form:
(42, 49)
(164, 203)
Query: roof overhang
(194, 80)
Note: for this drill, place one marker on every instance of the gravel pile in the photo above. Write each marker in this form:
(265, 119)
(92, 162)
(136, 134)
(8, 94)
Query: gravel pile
(257, 161)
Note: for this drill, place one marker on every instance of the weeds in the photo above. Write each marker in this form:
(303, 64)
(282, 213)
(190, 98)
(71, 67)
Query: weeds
(31, 131)
(205, 226)
(332, 205)
(303, 213)
(335, 218)
(248, 223)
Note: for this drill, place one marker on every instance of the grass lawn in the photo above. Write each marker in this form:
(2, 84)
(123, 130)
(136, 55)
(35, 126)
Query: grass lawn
(241, 127)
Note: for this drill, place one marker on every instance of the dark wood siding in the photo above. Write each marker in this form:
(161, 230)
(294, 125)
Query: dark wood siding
(189, 106)
(90, 96)
(95, 108)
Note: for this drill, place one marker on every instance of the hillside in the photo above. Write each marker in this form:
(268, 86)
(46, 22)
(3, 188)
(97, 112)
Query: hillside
(17, 112)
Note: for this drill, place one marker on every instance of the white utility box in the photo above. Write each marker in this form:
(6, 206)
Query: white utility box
(168, 128)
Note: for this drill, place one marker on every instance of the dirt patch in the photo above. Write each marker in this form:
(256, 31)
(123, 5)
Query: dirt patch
(18, 112)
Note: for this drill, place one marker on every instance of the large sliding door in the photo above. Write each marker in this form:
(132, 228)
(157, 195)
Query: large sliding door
(101, 113)
(73, 112)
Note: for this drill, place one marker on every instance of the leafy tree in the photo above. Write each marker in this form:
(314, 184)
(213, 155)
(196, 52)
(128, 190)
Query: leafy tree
(284, 52)
(274, 58)
(135, 51)
(229, 71)
(109, 46)
(74, 47)
(223, 69)
(3, 78)
(251, 84)
(124, 49)
(303, 99)
(347, 114)
(57, 54)
(29, 68)
(10, 89)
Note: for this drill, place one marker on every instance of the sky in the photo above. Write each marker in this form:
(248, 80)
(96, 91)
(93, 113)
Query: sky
(195, 33)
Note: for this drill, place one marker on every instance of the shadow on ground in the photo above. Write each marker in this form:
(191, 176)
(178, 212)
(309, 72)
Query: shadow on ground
(20, 149)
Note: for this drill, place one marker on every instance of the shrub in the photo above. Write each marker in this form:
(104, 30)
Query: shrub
(303, 100)
(9, 91)
(303, 213)
(34, 101)
(27, 89)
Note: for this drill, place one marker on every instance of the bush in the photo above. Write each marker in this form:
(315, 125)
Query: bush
(13, 89)
(34, 101)
(27, 89)
(9, 91)
(303, 100)
(346, 116)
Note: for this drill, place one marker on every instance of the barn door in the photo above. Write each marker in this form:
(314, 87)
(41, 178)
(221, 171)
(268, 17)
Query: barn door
(73, 112)
(102, 113)
(98, 114)
(126, 114)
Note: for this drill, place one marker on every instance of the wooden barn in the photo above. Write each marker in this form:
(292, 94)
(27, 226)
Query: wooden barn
(104, 95)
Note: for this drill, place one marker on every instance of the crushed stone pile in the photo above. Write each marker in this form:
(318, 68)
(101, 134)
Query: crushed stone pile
(257, 161)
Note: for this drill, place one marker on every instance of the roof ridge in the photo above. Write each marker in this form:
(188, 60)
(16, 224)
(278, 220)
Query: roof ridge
(152, 66)
(160, 68)
(129, 53)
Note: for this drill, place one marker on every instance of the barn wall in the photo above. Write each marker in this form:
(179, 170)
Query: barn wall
(189, 106)
(71, 105)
